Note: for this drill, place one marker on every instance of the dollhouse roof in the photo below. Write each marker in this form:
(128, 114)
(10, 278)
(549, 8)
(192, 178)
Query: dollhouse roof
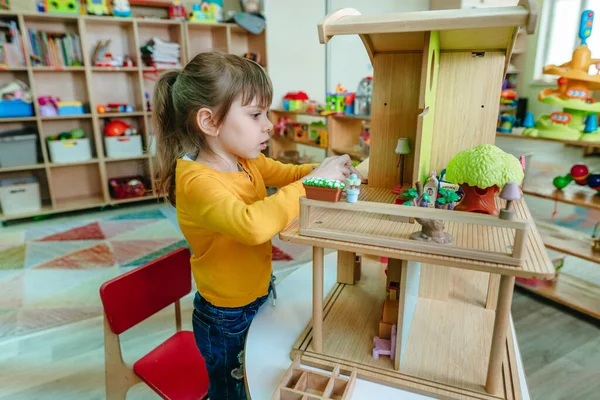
(482, 29)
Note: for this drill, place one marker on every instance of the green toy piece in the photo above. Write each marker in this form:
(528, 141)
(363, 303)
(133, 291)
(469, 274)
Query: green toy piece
(481, 171)
(322, 182)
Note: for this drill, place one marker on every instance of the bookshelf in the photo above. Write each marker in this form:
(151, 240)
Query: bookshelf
(81, 185)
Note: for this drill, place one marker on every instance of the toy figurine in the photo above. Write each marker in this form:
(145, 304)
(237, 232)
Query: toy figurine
(510, 192)
(121, 8)
(352, 188)
(97, 7)
(177, 10)
(431, 188)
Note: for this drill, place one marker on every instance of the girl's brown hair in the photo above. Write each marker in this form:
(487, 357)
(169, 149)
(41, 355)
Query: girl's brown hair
(210, 80)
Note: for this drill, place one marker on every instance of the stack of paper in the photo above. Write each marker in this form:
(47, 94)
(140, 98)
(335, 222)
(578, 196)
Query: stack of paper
(161, 54)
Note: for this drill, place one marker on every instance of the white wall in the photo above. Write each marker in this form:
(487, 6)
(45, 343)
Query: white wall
(296, 59)
(348, 60)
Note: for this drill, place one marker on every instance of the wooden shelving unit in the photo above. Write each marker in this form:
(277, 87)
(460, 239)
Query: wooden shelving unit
(342, 130)
(81, 185)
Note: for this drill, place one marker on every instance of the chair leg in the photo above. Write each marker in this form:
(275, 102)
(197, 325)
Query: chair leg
(119, 377)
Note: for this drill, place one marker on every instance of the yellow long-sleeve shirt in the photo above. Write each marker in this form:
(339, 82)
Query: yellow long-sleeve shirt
(228, 221)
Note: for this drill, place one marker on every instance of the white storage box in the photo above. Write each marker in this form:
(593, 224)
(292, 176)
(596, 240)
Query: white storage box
(71, 150)
(20, 195)
(16, 151)
(123, 146)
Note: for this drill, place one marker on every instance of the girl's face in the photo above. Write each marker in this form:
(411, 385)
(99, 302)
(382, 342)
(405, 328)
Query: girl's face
(245, 131)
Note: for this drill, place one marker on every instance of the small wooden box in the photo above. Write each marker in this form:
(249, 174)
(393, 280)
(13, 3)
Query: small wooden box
(302, 384)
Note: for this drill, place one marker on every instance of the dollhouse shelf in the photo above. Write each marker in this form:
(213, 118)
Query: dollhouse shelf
(84, 185)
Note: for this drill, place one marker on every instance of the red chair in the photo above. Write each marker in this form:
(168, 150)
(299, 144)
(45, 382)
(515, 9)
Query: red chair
(175, 369)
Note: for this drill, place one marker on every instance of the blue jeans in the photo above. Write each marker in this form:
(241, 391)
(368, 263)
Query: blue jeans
(220, 335)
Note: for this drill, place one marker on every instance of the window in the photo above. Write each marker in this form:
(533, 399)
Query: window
(559, 33)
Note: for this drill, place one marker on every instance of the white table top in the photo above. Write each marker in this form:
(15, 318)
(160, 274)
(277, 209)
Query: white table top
(274, 331)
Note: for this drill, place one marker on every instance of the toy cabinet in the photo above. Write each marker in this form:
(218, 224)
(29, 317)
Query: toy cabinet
(437, 76)
(111, 87)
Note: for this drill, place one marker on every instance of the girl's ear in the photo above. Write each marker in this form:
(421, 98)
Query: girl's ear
(204, 119)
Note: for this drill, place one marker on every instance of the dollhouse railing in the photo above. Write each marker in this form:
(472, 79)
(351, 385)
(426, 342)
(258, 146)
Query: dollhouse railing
(478, 236)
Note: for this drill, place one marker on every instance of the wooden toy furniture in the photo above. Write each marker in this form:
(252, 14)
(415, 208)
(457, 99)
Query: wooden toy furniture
(304, 384)
(437, 79)
(175, 369)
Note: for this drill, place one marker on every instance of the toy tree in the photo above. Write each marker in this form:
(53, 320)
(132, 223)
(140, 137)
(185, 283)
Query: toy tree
(481, 172)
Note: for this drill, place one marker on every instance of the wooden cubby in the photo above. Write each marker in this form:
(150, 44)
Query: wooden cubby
(343, 133)
(81, 185)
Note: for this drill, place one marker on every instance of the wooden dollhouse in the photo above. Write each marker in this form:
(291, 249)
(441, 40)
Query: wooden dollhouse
(437, 79)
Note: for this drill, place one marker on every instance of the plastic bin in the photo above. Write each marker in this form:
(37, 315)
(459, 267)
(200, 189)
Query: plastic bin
(15, 108)
(71, 150)
(20, 195)
(70, 108)
(18, 148)
(123, 146)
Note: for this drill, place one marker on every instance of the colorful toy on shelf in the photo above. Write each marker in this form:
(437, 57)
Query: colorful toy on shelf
(48, 106)
(4, 4)
(114, 108)
(508, 98)
(121, 8)
(573, 94)
(210, 11)
(352, 188)
(446, 199)
(349, 104)
(70, 108)
(128, 187)
(76, 133)
(61, 6)
(323, 189)
(177, 10)
(579, 173)
(482, 171)
(295, 101)
(334, 102)
(97, 7)
(505, 123)
(119, 128)
(364, 96)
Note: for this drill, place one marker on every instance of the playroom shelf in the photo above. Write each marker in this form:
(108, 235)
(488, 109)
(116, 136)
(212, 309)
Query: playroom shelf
(570, 291)
(38, 68)
(84, 185)
(576, 195)
(122, 115)
(18, 119)
(114, 69)
(355, 155)
(140, 157)
(23, 168)
(59, 117)
(578, 143)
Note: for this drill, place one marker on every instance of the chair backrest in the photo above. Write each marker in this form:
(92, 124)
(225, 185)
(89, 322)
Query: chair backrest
(138, 294)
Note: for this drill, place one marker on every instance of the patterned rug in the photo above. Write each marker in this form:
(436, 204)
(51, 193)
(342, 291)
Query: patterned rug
(50, 275)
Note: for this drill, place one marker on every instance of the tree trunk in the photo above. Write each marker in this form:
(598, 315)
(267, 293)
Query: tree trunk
(478, 200)
(432, 230)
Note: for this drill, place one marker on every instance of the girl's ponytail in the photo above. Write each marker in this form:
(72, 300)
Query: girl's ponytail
(169, 143)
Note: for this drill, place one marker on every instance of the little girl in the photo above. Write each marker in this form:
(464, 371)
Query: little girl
(211, 125)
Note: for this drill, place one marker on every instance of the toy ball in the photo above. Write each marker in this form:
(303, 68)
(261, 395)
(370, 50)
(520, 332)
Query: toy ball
(593, 181)
(580, 172)
(77, 133)
(101, 109)
(118, 128)
(561, 182)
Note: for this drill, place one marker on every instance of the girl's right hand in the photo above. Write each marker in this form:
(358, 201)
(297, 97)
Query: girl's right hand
(337, 167)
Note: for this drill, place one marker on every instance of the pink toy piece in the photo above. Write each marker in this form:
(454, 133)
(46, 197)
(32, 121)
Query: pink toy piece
(386, 347)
